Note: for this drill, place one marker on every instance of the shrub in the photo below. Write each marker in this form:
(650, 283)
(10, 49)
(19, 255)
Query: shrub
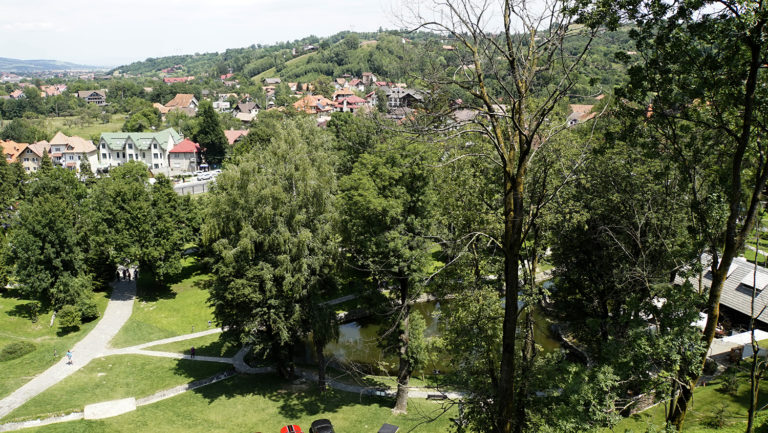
(88, 310)
(69, 317)
(730, 384)
(16, 350)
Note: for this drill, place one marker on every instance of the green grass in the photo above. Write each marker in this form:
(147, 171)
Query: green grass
(70, 125)
(112, 378)
(272, 72)
(16, 326)
(208, 345)
(263, 404)
(180, 309)
(705, 400)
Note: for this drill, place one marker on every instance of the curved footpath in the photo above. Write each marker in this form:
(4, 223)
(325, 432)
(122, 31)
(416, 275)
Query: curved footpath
(96, 344)
(93, 345)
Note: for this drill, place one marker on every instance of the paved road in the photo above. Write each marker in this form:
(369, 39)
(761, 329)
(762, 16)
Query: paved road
(94, 345)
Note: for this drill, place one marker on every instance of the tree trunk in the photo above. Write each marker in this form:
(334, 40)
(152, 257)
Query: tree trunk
(513, 199)
(320, 366)
(404, 370)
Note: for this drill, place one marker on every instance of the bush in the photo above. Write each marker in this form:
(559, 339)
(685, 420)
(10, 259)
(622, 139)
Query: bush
(16, 350)
(69, 317)
(88, 310)
(730, 380)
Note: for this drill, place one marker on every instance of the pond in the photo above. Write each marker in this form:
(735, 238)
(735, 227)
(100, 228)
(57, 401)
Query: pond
(358, 342)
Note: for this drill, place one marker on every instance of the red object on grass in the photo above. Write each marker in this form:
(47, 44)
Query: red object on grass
(291, 429)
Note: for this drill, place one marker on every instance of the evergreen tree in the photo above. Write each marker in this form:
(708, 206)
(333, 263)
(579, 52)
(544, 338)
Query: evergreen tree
(46, 165)
(210, 135)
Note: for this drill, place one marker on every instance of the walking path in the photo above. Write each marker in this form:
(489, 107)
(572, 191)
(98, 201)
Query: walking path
(96, 345)
(91, 346)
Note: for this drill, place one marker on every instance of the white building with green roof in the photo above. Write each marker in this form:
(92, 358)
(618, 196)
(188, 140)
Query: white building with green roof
(151, 148)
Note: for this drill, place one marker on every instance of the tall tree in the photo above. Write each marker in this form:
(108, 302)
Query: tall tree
(516, 78)
(120, 216)
(210, 135)
(710, 127)
(46, 249)
(46, 165)
(170, 230)
(271, 227)
(388, 208)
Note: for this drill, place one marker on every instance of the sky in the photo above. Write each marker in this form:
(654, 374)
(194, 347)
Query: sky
(115, 32)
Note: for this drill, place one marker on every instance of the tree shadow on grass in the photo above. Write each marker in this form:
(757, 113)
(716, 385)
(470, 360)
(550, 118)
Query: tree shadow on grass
(149, 289)
(66, 330)
(291, 399)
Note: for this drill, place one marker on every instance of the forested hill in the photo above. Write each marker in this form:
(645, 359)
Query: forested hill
(393, 55)
(16, 65)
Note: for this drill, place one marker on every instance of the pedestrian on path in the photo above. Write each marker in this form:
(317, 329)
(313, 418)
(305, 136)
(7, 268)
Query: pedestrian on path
(192, 352)
(69, 357)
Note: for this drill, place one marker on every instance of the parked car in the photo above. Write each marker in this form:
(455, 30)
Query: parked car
(291, 428)
(321, 426)
(204, 176)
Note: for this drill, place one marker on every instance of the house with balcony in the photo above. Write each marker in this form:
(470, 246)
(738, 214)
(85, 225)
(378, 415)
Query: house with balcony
(185, 157)
(151, 148)
(71, 152)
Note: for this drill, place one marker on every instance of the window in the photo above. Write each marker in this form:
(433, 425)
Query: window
(156, 166)
(71, 157)
(78, 157)
(154, 145)
(26, 159)
(130, 157)
(155, 156)
(34, 159)
(130, 146)
(103, 145)
(143, 155)
(103, 156)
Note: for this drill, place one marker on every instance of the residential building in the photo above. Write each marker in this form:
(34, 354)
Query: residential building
(235, 135)
(171, 80)
(401, 97)
(151, 148)
(98, 97)
(70, 152)
(185, 102)
(314, 104)
(31, 155)
(369, 78)
(17, 94)
(53, 90)
(351, 104)
(11, 150)
(184, 157)
(271, 81)
(579, 114)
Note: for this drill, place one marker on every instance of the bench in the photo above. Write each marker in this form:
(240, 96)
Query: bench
(436, 396)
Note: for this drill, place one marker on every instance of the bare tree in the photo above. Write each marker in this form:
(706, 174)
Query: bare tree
(517, 69)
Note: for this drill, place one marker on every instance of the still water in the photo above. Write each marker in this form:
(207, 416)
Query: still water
(358, 341)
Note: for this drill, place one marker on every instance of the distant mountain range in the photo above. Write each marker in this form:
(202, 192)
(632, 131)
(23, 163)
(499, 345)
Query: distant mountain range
(16, 65)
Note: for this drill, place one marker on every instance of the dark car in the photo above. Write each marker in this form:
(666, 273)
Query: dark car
(321, 426)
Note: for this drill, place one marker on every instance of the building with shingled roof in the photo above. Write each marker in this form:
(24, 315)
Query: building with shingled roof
(151, 148)
(185, 157)
(69, 152)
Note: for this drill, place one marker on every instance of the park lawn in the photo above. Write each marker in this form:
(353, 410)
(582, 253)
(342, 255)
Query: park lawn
(208, 345)
(263, 403)
(70, 125)
(15, 326)
(180, 309)
(706, 401)
(112, 378)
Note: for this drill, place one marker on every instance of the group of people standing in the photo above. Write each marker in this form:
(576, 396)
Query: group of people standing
(126, 274)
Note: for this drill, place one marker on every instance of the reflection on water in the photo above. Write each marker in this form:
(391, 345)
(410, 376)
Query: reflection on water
(358, 341)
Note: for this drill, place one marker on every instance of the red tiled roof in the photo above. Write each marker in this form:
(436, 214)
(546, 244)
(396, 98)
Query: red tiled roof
(186, 146)
(226, 76)
(170, 80)
(234, 134)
